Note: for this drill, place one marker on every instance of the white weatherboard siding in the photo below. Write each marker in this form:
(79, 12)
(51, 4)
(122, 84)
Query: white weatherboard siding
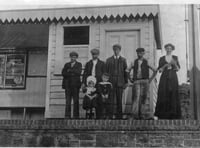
(58, 55)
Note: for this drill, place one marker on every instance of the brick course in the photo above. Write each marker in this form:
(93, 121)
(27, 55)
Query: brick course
(120, 133)
(101, 133)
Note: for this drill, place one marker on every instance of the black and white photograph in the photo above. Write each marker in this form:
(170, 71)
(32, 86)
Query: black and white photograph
(115, 73)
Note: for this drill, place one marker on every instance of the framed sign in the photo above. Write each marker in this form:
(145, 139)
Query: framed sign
(12, 70)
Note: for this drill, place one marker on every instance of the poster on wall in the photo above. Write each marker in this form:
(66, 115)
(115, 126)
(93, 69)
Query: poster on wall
(15, 71)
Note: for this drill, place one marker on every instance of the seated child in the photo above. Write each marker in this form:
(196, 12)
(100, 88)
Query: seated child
(89, 100)
(104, 90)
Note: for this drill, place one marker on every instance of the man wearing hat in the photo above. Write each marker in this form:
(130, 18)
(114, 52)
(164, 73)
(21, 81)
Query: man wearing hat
(71, 83)
(95, 67)
(141, 101)
(116, 67)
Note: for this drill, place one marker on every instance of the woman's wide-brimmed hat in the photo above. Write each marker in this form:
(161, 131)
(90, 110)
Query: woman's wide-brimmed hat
(171, 45)
(140, 50)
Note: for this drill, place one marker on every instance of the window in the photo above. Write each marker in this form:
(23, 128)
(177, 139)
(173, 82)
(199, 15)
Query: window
(12, 70)
(37, 63)
(78, 35)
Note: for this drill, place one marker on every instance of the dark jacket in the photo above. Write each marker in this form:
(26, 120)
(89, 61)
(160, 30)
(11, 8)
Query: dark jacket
(104, 88)
(100, 69)
(122, 77)
(71, 75)
(144, 69)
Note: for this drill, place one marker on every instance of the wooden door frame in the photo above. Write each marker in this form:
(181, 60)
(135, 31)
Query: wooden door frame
(120, 27)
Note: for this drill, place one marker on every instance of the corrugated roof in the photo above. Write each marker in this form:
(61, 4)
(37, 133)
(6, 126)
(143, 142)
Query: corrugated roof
(69, 14)
(42, 16)
(23, 36)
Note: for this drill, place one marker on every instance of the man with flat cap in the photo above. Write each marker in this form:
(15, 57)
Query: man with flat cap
(116, 67)
(95, 67)
(141, 99)
(71, 83)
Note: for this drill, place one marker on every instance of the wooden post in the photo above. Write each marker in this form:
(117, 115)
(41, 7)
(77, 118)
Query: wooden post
(24, 113)
(194, 54)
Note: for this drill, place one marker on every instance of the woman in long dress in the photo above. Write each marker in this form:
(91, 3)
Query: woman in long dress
(168, 104)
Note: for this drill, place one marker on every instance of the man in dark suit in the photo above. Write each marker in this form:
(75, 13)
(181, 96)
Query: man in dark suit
(95, 67)
(116, 67)
(71, 83)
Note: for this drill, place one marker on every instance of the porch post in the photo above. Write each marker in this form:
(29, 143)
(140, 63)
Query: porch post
(194, 58)
(47, 101)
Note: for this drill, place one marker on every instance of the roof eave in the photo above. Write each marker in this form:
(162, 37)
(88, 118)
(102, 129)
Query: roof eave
(49, 15)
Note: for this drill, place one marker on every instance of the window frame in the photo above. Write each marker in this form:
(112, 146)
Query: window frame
(11, 52)
(76, 45)
(29, 75)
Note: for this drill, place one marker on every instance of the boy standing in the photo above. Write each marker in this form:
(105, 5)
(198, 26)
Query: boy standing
(141, 98)
(104, 90)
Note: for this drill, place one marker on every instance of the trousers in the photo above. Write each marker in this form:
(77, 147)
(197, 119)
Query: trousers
(72, 93)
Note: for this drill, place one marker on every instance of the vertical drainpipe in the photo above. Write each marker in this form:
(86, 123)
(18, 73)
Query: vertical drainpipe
(186, 42)
(194, 59)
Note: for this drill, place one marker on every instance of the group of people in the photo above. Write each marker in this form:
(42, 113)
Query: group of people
(103, 84)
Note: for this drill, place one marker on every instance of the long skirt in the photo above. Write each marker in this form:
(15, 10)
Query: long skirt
(168, 103)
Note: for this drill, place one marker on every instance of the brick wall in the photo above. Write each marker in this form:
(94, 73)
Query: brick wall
(184, 95)
(133, 133)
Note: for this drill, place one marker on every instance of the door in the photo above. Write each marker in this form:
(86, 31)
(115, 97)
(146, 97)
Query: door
(129, 40)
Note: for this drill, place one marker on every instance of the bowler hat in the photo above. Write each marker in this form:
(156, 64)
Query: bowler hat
(117, 46)
(140, 50)
(94, 51)
(73, 53)
(169, 44)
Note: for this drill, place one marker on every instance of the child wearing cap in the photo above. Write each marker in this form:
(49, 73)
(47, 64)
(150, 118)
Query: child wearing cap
(104, 90)
(141, 99)
(90, 98)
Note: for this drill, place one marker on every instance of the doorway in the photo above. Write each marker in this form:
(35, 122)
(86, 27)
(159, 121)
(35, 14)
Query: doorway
(129, 40)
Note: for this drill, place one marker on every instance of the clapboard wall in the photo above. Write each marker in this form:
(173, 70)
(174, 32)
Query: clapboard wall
(58, 56)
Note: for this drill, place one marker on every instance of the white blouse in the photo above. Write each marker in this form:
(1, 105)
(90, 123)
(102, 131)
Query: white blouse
(168, 58)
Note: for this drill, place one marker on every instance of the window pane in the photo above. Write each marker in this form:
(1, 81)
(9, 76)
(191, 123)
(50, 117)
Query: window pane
(15, 71)
(76, 35)
(37, 63)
